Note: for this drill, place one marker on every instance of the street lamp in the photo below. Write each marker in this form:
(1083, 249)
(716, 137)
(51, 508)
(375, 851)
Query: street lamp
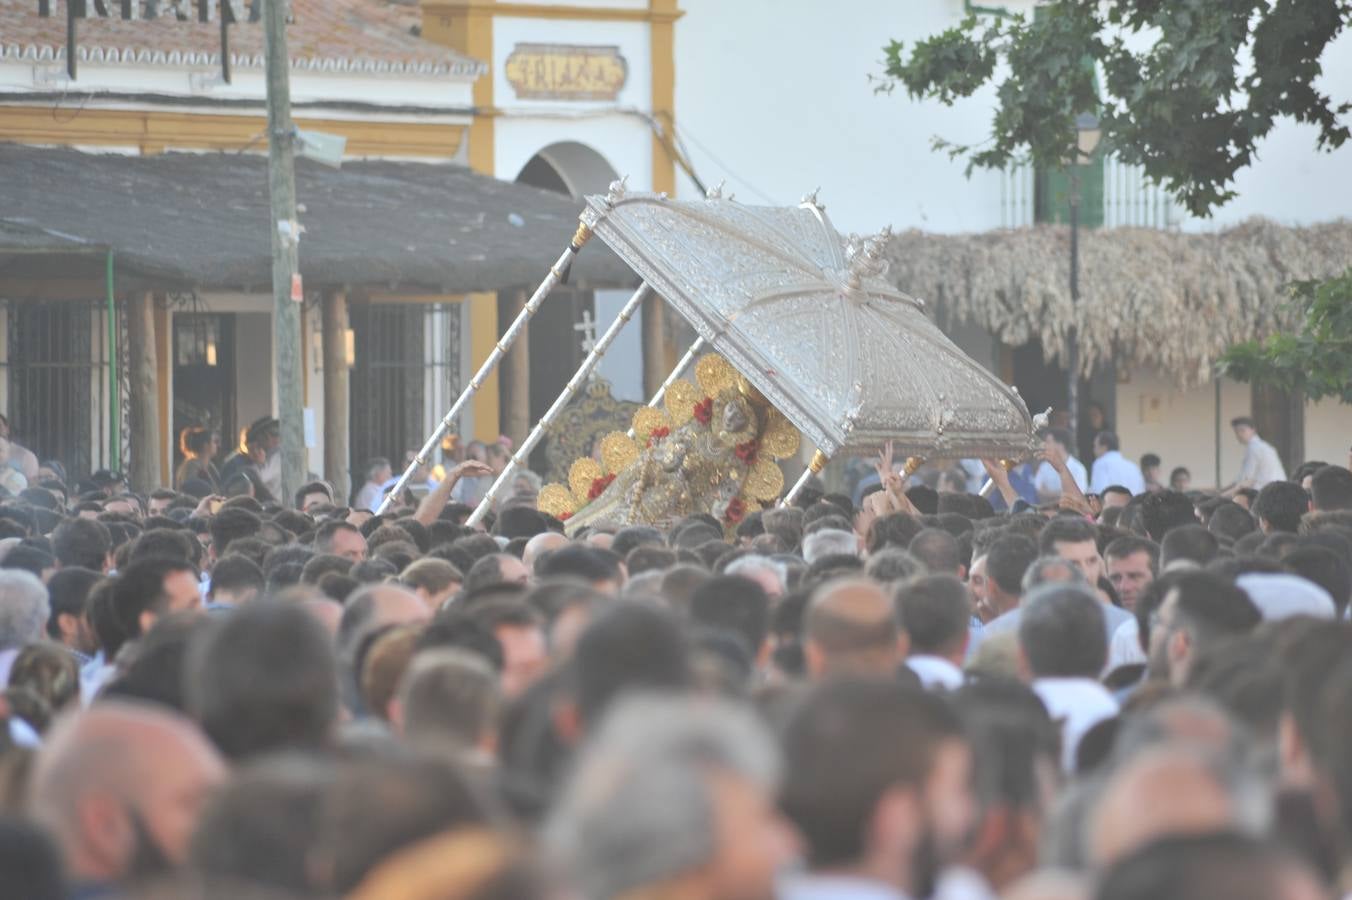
(1087, 134)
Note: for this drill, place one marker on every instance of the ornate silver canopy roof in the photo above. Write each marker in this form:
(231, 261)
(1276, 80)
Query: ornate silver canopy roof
(808, 319)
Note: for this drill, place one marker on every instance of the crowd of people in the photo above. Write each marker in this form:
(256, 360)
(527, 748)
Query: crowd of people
(1103, 690)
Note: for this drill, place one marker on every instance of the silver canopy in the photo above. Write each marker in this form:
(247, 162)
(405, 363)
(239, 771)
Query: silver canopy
(808, 319)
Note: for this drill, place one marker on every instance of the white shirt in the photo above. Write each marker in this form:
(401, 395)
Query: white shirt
(1125, 647)
(1077, 705)
(1261, 465)
(835, 887)
(935, 672)
(1112, 468)
(1048, 482)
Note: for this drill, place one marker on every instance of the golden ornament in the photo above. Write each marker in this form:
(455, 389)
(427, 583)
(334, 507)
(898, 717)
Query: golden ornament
(618, 450)
(580, 478)
(750, 392)
(680, 402)
(556, 500)
(647, 420)
(780, 439)
(715, 374)
(764, 481)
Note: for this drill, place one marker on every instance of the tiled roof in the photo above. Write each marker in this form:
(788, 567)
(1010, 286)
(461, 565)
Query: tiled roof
(342, 36)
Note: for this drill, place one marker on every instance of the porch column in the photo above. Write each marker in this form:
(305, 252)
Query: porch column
(143, 373)
(514, 372)
(656, 364)
(334, 326)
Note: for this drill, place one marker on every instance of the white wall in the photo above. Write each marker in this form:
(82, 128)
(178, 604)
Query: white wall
(1328, 432)
(773, 95)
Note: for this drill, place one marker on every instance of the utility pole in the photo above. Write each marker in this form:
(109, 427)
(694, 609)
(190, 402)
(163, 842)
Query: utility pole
(287, 291)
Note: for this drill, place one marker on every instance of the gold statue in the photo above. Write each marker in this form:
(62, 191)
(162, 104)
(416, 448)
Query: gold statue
(711, 449)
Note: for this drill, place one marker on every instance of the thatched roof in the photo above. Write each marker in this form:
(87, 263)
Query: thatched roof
(1149, 298)
(202, 220)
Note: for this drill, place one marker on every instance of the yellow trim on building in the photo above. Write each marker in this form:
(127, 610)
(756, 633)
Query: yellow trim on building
(154, 131)
(656, 13)
(483, 335)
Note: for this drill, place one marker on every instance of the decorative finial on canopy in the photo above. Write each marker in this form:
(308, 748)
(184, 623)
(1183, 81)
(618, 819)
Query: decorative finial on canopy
(617, 191)
(866, 257)
(716, 192)
(811, 199)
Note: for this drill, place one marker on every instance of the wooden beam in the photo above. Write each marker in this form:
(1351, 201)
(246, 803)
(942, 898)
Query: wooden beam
(655, 365)
(334, 325)
(514, 382)
(483, 334)
(143, 372)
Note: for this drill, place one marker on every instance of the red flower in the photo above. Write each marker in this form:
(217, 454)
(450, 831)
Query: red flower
(747, 452)
(736, 511)
(599, 485)
(565, 516)
(657, 433)
(704, 410)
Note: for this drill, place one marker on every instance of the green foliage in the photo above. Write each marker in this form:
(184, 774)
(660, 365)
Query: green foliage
(1318, 359)
(1186, 107)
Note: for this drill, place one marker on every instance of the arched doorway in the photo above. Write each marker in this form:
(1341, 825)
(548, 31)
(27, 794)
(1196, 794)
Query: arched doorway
(568, 167)
(562, 324)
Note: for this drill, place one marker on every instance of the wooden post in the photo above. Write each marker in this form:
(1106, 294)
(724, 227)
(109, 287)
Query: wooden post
(514, 375)
(143, 373)
(286, 349)
(656, 364)
(337, 464)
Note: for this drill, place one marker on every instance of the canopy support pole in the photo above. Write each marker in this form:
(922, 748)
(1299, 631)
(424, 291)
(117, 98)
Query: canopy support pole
(676, 373)
(819, 461)
(556, 274)
(522, 454)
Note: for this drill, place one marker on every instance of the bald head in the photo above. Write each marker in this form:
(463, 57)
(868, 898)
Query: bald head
(541, 544)
(376, 606)
(851, 628)
(120, 784)
(1165, 792)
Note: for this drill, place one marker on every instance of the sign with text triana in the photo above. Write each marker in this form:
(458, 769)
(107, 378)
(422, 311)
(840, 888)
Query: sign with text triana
(182, 10)
(566, 72)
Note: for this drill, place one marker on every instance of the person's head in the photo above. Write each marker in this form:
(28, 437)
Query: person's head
(1211, 864)
(262, 825)
(1106, 442)
(902, 806)
(1132, 564)
(1059, 438)
(120, 787)
(1197, 610)
(83, 542)
(449, 698)
(313, 495)
(539, 546)
(434, 580)
(1150, 468)
(24, 608)
(893, 564)
(1007, 559)
(1017, 750)
(1229, 522)
(1164, 511)
(198, 443)
(68, 595)
(1062, 632)
(599, 568)
(1331, 488)
(629, 646)
(1280, 505)
(44, 682)
(1180, 480)
(772, 575)
(264, 679)
(495, 569)
(936, 612)
(229, 525)
(378, 470)
(939, 551)
(341, 539)
(1323, 567)
(1244, 429)
(1076, 541)
(851, 628)
(520, 631)
(1192, 544)
(692, 783)
(149, 589)
(737, 605)
(829, 542)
